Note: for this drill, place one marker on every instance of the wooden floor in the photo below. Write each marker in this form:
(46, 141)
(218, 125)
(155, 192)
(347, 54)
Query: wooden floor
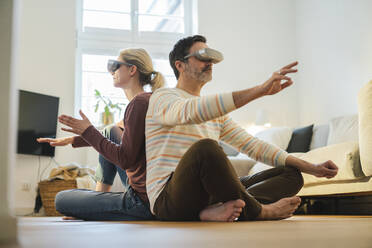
(298, 231)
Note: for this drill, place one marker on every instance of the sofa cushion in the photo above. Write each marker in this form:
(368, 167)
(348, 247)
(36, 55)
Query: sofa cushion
(301, 139)
(343, 129)
(344, 155)
(242, 164)
(278, 136)
(320, 136)
(365, 127)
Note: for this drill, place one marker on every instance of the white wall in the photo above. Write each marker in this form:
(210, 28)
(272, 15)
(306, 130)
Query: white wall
(47, 66)
(257, 37)
(334, 47)
(331, 40)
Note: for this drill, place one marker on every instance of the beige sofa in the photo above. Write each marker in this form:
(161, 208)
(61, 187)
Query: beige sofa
(346, 140)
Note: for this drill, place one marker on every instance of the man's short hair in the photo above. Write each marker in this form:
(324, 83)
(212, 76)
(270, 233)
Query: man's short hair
(181, 49)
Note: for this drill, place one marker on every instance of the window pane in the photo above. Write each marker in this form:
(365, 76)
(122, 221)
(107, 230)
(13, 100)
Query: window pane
(95, 76)
(170, 81)
(97, 63)
(108, 5)
(161, 24)
(163, 66)
(106, 20)
(161, 7)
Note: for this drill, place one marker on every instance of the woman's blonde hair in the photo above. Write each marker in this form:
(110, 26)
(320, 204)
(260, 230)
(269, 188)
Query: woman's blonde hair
(141, 59)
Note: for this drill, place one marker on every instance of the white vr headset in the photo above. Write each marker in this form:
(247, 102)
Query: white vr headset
(207, 54)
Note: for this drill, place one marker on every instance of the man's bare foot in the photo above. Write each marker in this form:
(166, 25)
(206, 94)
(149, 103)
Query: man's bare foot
(228, 211)
(68, 218)
(282, 209)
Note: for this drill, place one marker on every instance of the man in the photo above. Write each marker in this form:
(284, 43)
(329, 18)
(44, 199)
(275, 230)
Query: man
(188, 175)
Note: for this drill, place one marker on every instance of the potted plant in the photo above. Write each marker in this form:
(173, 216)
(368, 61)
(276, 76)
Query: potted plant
(107, 116)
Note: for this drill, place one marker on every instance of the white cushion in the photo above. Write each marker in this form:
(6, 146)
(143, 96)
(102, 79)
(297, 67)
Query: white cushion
(242, 164)
(320, 136)
(343, 129)
(279, 136)
(344, 155)
(365, 127)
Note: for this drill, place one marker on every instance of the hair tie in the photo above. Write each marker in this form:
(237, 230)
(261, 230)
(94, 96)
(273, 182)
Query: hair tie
(153, 74)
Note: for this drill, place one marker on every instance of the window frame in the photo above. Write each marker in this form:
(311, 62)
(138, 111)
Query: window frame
(100, 41)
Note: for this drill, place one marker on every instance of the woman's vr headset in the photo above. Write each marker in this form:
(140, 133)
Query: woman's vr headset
(207, 54)
(113, 65)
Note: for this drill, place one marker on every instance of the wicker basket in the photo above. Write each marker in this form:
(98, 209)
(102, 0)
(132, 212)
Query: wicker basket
(48, 192)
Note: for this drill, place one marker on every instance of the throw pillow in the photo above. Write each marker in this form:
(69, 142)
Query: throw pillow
(343, 129)
(365, 128)
(301, 139)
(278, 136)
(320, 136)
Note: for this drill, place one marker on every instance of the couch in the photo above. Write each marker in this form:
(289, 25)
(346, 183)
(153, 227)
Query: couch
(346, 140)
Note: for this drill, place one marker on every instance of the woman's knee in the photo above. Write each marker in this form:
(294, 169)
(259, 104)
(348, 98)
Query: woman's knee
(115, 134)
(61, 201)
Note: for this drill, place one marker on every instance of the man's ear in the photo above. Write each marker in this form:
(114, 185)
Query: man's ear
(133, 70)
(179, 65)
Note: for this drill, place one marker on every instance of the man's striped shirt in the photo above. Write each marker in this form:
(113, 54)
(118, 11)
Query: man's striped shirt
(175, 120)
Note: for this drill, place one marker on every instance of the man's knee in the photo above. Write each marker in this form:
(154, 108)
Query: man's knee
(295, 175)
(206, 145)
(208, 153)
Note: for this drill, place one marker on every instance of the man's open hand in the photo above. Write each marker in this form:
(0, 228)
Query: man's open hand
(274, 84)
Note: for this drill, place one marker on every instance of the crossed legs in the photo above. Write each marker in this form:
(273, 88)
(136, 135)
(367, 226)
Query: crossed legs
(204, 186)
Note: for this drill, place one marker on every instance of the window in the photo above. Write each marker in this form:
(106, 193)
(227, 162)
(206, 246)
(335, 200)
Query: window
(106, 27)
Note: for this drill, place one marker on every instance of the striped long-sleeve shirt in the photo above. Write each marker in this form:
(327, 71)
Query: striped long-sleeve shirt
(175, 120)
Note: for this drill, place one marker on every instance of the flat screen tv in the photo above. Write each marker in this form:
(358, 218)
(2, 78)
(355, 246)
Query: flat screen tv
(37, 117)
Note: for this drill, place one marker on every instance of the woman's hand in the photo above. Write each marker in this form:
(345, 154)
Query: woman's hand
(76, 126)
(274, 84)
(327, 169)
(56, 142)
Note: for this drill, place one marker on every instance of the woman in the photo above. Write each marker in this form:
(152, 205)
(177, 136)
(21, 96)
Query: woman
(131, 72)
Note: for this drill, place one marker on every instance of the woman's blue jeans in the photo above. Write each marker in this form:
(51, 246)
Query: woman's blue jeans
(98, 206)
(106, 171)
(92, 205)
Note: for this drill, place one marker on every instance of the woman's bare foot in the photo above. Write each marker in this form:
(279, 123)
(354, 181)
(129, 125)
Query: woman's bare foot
(228, 211)
(282, 209)
(68, 218)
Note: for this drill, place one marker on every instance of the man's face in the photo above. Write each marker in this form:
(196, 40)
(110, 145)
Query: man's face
(196, 69)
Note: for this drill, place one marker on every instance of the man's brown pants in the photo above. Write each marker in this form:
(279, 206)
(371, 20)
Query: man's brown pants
(205, 176)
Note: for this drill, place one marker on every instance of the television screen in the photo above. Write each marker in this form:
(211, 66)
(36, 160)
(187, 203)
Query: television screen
(37, 117)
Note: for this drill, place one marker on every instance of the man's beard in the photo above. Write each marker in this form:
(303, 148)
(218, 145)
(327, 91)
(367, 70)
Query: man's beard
(205, 75)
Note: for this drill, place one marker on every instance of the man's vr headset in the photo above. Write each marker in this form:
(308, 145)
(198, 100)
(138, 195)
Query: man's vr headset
(207, 54)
